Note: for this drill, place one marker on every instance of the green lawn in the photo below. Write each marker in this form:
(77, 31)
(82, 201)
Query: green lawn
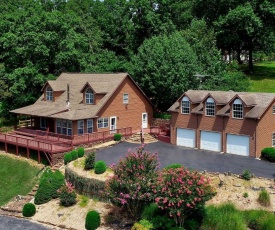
(17, 178)
(263, 79)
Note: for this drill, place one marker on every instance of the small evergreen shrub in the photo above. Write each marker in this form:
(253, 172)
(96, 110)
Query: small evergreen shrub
(245, 195)
(90, 161)
(67, 158)
(67, 195)
(247, 175)
(29, 210)
(117, 137)
(264, 198)
(74, 155)
(173, 166)
(92, 221)
(268, 154)
(49, 183)
(100, 167)
(80, 152)
(143, 225)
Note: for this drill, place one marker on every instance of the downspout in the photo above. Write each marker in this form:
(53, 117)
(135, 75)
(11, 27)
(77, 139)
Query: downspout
(255, 138)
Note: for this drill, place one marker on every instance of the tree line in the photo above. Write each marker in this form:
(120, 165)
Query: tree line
(163, 44)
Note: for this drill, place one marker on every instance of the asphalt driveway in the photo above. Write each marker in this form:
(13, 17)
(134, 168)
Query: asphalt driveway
(11, 223)
(192, 158)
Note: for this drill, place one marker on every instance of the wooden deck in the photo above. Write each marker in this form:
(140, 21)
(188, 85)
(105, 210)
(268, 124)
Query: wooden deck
(52, 143)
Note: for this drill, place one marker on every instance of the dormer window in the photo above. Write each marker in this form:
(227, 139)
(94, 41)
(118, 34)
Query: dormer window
(210, 107)
(185, 105)
(49, 94)
(238, 109)
(89, 96)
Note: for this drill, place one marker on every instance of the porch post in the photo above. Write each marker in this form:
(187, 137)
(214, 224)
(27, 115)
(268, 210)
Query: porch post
(39, 159)
(28, 152)
(15, 122)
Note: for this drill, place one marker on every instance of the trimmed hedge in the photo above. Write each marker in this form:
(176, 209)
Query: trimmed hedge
(74, 155)
(80, 152)
(117, 137)
(29, 210)
(92, 221)
(67, 158)
(268, 154)
(100, 167)
(49, 183)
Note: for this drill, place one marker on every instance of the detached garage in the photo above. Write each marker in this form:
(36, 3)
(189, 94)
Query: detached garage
(237, 144)
(210, 141)
(186, 137)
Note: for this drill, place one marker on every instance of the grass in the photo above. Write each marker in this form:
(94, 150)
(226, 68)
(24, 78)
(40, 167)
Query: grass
(17, 178)
(227, 217)
(263, 78)
(264, 198)
(84, 200)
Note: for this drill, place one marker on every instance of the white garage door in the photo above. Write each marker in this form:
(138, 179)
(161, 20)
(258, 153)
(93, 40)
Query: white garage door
(237, 144)
(186, 137)
(211, 141)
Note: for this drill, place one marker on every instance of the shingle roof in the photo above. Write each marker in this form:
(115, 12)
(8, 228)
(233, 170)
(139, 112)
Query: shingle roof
(101, 83)
(258, 101)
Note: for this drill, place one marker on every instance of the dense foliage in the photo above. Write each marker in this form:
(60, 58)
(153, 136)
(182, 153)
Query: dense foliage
(268, 154)
(90, 161)
(29, 210)
(67, 194)
(49, 183)
(80, 152)
(117, 137)
(74, 154)
(100, 167)
(68, 158)
(92, 221)
(133, 175)
(41, 39)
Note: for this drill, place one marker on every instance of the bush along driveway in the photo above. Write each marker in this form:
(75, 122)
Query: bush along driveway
(193, 158)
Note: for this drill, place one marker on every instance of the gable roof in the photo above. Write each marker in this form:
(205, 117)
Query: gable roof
(258, 101)
(101, 83)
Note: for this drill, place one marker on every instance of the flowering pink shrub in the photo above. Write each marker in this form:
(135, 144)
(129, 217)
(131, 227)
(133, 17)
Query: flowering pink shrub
(67, 194)
(180, 192)
(131, 185)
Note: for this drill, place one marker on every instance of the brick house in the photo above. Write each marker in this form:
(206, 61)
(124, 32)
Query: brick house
(232, 122)
(77, 103)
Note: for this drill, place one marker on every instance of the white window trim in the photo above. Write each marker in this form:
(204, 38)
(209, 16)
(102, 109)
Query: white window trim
(125, 98)
(273, 109)
(104, 121)
(69, 126)
(49, 94)
(89, 96)
(185, 104)
(210, 111)
(80, 126)
(237, 102)
(273, 140)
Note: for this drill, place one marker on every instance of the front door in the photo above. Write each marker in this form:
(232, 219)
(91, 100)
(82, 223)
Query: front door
(113, 124)
(144, 120)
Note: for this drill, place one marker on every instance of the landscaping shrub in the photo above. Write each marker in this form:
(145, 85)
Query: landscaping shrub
(100, 167)
(117, 137)
(224, 216)
(142, 225)
(173, 166)
(247, 175)
(90, 161)
(74, 155)
(67, 194)
(80, 152)
(181, 192)
(49, 183)
(264, 198)
(29, 210)
(260, 220)
(133, 174)
(92, 221)
(268, 154)
(245, 194)
(67, 158)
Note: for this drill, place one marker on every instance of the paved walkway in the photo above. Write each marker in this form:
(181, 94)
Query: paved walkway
(192, 158)
(11, 223)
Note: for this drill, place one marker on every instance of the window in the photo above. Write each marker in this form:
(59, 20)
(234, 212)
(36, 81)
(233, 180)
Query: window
(43, 122)
(273, 139)
(64, 127)
(237, 109)
(125, 98)
(273, 109)
(80, 127)
(210, 107)
(89, 96)
(90, 126)
(102, 123)
(49, 94)
(185, 105)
